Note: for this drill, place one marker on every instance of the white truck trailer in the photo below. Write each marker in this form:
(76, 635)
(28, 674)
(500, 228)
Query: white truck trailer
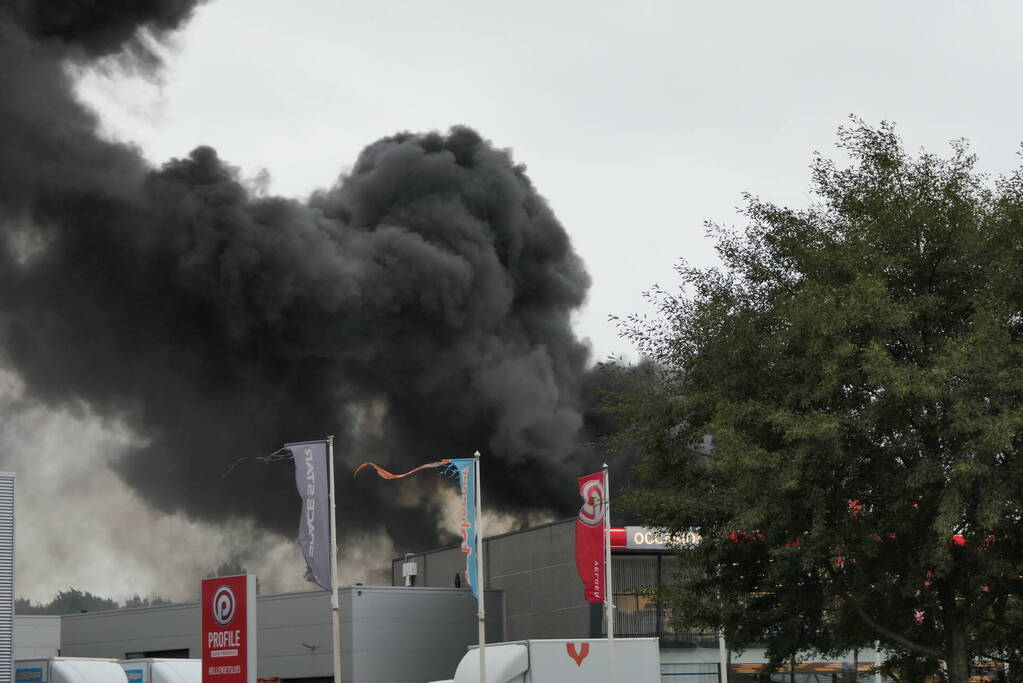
(68, 670)
(152, 670)
(630, 660)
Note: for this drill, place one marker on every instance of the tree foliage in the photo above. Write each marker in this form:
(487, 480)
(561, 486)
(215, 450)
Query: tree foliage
(73, 601)
(70, 601)
(858, 366)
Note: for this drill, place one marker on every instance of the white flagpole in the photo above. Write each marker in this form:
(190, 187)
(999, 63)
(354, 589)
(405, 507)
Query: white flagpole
(333, 563)
(480, 582)
(722, 657)
(608, 586)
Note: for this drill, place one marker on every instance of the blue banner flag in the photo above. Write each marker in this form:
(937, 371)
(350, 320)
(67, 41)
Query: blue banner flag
(314, 525)
(465, 470)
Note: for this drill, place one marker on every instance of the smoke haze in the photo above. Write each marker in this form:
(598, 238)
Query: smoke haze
(159, 324)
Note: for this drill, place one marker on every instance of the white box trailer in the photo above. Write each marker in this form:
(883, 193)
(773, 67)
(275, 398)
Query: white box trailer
(155, 670)
(635, 660)
(68, 670)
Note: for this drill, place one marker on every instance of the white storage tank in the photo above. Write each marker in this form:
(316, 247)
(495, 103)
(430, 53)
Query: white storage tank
(162, 670)
(68, 670)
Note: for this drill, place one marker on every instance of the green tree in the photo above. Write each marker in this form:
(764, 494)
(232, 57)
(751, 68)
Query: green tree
(70, 601)
(858, 367)
(232, 568)
(73, 600)
(139, 601)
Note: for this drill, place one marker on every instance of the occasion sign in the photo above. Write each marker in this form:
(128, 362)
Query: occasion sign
(643, 538)
(229, 629)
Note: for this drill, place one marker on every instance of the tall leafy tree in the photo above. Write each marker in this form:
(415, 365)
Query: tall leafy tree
(858, 368)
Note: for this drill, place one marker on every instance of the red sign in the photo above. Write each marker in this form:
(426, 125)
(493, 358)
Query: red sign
(229, 629)
(589, 536)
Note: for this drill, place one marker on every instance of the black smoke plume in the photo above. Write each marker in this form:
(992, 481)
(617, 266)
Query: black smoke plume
(418, 309)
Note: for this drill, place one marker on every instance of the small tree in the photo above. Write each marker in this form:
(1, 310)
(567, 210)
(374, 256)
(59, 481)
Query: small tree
(858, 366)
(232, 568)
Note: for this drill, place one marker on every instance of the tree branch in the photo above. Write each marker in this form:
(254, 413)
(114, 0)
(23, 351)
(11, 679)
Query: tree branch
(897, 638)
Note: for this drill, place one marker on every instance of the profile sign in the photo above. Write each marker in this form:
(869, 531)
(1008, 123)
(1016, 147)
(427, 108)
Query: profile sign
(229, 629)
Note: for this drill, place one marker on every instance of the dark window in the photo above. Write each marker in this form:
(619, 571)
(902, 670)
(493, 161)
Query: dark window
(161, 654)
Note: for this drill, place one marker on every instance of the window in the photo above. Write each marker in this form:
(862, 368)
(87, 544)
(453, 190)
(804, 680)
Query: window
(636, 614)
(160, 654)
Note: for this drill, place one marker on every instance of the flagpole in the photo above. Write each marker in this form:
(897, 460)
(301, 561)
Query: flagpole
(333, 564)
(481, 581)
(608, 586)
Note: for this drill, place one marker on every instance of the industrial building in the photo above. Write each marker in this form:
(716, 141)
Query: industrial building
(387, 633)
(418, 629)
(535, 569)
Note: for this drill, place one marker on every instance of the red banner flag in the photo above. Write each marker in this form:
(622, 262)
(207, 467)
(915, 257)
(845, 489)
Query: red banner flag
(589, 536)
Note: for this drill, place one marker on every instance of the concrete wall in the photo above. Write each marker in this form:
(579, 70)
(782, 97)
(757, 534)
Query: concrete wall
(36, 636)
(387, 633)
(536, 570)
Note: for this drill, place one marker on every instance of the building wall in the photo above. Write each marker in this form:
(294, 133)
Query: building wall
(6, 576)
(413, 635)
(118, 632)
(36, 636)
(387, 633)
(536, 570)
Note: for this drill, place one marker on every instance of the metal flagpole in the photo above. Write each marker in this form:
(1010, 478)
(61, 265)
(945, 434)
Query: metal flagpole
(722, 657)
(608, 586)
(333, 564)
(480, 581)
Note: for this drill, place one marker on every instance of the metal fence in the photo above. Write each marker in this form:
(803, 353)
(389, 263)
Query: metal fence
(703, 672)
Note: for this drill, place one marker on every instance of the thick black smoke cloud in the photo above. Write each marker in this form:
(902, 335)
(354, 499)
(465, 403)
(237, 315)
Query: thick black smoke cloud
(418, 309)
(101, 27)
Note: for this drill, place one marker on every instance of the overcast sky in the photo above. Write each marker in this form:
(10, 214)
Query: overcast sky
(638, 121)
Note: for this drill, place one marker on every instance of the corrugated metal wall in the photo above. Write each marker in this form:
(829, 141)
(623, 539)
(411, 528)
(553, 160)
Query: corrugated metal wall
(6, 576)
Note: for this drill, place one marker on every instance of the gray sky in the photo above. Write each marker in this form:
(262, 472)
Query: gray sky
(638, 121)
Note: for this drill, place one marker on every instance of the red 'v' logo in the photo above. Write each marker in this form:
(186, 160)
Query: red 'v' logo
(580, 655)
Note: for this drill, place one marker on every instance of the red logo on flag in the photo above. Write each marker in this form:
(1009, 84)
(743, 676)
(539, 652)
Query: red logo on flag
(589, 536)
(592, 491)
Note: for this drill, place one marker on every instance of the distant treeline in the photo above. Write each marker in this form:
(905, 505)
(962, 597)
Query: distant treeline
(73, 601)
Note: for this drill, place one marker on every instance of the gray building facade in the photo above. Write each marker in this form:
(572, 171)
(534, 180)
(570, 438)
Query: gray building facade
(392, 634)
(36, 636)
(535, 568)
